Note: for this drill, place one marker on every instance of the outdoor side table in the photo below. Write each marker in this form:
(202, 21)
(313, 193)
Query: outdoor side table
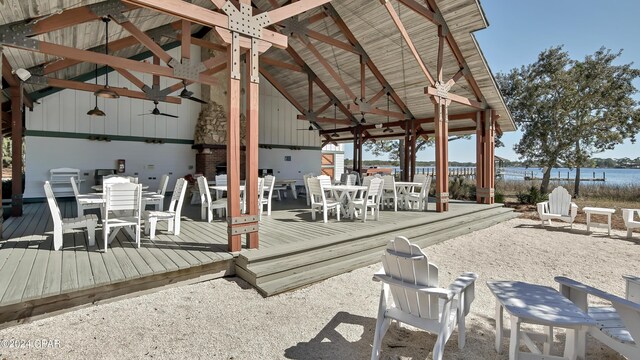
(540, 305)
(598, 211)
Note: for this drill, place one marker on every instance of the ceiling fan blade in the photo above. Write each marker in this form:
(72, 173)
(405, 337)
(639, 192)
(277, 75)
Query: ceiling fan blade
(169, 115)
(144, 114)
(196, 100)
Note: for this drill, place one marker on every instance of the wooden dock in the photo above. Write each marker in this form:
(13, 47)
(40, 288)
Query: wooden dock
(36, 281)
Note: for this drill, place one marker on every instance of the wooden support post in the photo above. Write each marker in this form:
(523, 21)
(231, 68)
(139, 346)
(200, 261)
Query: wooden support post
(251, 185)
(442, 158)
(16, 149)
(407, 162)
(359, 150)
(490, 161)
(1, 143)
(413, 149)
(233, 142)
(479, 157)
(355, 148)
(486, 173)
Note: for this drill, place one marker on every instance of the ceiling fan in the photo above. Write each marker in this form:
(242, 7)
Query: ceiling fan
(156, 112)
(186, 94)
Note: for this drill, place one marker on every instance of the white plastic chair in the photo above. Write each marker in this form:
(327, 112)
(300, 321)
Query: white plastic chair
(558, 207)
(85, 201)
(61, 224)
(319, 201)
(269, 183)
(306, 187)
(207, 204)
(325, 181)
(221, 180)
(410, 294)
(351, 179)
(114, 179)
(370, 200)
(156, 198)
(123, 205)
(390, 194)
(627, 216)
(172, 215)
(419, 199)
(280, 190)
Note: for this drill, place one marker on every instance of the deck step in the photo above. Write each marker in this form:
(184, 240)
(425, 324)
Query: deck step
(276, 274)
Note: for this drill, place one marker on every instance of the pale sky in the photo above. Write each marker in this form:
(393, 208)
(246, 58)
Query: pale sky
(519, 30)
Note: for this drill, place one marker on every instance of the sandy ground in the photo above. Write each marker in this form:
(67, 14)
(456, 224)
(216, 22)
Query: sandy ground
(334, 319)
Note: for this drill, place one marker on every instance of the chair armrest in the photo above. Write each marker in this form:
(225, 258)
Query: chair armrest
(462, 282)
(464, 287)
(574, 210)
(632, 292)
(440, 292)
(581, 290)
(543, 207)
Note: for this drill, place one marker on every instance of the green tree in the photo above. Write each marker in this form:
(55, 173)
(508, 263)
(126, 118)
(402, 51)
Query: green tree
(569, 110)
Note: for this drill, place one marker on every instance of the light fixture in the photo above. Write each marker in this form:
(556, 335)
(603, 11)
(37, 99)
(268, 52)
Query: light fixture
(106, 91)
(95, 111)
(310, 127)
(387, 129)
(363, 121)
(23, 74)
(335, 116)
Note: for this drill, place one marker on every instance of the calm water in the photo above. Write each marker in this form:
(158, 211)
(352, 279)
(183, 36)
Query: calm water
(612, 176)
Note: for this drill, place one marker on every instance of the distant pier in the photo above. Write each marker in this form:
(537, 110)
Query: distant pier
(531, 175)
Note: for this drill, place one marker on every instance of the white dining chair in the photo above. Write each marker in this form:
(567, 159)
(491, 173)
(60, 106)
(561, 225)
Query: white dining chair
(61, 224)
(419, 199)
(207, 204)
(85, 201)
(369, 200)
(390, 193)
(156, 198)
(269, 183)
(172, 215)
(320, 202)
(123, 206)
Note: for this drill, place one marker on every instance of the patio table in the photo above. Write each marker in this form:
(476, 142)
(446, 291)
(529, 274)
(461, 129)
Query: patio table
(288, 183)
(99, 189)
(403, 188)
(344, 194)
(540, 305)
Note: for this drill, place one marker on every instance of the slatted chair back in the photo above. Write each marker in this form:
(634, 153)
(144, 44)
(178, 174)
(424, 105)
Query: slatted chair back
(177, 198)
(262, 183)
(122, 197)
(426, 184)
(407, 263)
(114, 179)
(389, 183)
(559, 201)
(325, 180)
(133, 179)
(56, 215)
(315, 191)
(221, 180)
(343, 178)
(162, 188)
(374, 191)
(269, 182)
(351, 179)
(203, 186)
(305, 178)
(357, 182)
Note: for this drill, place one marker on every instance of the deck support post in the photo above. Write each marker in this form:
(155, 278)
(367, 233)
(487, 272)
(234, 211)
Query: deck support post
(485, 147)
(407, 151)
(251, 190)
(233, 141)
(413, 149)
(16, 151)
(441, 123)
(359, 150)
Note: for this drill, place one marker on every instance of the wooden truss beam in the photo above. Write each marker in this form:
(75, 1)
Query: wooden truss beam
(456, 98)
(282, 90)
(203, 16)
(281, 64)
(407, 39)
(145, 40)
(13, 81)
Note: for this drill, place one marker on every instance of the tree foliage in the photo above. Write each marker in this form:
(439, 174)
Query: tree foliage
(569, 110)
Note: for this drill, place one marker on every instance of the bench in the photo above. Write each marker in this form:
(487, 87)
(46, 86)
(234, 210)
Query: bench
(618, 325)
(60, 181)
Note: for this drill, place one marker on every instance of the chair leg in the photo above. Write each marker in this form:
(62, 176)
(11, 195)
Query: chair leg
(629, 231)
(364, 212)
(176, 226)
(325, 213)
(170, 227)
(57, 238)
(461, 331)
(313, 214)
(203, 215)
(153, 223)
(338, 212)
(137, 229)
(91, 233)
(269, 207)
(105, 236)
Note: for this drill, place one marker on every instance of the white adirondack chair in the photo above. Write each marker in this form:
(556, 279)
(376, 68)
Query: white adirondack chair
(559, 206)
(172, 215)
(85, 201)
(319, 201)
(207, 204)
(61, 224)
(390, 194)
(420, 199)
(629, 222)
(123, 207)
(618, 325)
(156, 198)
(370, 200)
(411, 282)
(269, 182)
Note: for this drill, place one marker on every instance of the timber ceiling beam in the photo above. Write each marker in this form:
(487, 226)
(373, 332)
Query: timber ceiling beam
(185, 39)
(405, 35)
(331, 41)
(280, 64)
(83, 86)
(443, 92)
(210, 18)
(282, 90)
(387, 88)
(145, 40)
(75, 16)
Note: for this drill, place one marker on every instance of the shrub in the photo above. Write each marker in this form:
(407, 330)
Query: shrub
(499, 197)
(532, 197)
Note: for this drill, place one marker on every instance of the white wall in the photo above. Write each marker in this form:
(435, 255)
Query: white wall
(65, 112)
(147, 160)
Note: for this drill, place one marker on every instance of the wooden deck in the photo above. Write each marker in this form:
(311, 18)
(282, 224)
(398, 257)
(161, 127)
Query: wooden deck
(35, 280)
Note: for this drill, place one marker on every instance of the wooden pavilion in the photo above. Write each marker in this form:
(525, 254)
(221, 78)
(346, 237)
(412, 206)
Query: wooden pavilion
(355, 70)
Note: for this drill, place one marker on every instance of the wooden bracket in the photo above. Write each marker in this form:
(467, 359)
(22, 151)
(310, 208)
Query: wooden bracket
(186, 70)
(243, 229)
(109, 8)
